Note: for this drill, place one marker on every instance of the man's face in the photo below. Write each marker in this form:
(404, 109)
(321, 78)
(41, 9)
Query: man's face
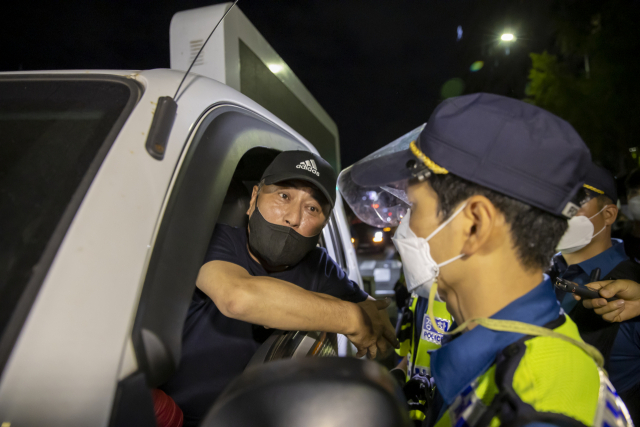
(292, 203)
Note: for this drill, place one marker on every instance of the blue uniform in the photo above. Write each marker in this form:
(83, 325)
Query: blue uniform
(459, 362)
(625, 354)
(216, 348)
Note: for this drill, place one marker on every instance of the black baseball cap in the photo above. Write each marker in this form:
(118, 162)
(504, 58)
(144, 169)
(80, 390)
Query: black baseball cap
(601, 182)
(305, 166)
(500, 143)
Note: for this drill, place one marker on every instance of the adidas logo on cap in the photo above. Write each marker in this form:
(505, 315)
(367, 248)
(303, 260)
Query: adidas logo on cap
(309, 165)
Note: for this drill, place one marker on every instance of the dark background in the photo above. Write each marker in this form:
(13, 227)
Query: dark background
(379, 67)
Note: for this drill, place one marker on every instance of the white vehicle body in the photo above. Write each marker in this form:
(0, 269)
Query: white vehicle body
(77, 341)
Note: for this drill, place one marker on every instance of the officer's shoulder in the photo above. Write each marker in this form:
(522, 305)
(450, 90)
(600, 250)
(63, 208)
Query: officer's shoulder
(554, 375)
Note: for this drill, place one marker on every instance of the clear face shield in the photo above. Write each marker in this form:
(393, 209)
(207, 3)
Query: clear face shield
(383, 202)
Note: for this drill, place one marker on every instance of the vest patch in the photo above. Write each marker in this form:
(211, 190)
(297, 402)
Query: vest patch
(429, 333)
(418, 369)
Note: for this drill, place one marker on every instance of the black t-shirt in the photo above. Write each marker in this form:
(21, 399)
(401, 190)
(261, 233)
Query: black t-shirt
(216, 348)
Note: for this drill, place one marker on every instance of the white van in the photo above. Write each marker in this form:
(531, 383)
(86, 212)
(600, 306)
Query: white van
(101, 241)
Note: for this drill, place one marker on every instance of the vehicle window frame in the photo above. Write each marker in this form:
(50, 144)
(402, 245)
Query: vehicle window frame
(28, 296)
(339, 249)
(161, 312)
(327, 242)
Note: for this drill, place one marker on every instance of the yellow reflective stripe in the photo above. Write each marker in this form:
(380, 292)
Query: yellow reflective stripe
(437, 169)
(513, 326)
(589, 187)
(417, 415)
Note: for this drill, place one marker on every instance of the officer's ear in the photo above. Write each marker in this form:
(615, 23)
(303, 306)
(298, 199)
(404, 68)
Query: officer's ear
(610, 214)
(483, 227)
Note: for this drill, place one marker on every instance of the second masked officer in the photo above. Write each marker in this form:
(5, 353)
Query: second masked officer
(588, 253)
(491, 182)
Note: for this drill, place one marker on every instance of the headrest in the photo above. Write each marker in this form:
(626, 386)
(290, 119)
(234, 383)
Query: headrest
(234, 207)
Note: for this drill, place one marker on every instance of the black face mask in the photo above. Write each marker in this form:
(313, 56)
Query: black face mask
(278, 245)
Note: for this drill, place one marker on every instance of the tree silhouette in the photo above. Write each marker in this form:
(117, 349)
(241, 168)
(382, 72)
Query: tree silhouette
(593, 80)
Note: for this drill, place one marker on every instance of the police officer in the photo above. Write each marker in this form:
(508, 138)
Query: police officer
(587, 253)
(491, 182)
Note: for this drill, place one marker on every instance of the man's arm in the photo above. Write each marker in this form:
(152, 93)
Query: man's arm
(335, 281)
(377, 312)
(278, 304)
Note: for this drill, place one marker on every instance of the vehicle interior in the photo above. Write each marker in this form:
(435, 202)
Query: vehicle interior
(233, 211)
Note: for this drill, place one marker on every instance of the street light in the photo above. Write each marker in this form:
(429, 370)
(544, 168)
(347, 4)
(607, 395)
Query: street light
(507, 38)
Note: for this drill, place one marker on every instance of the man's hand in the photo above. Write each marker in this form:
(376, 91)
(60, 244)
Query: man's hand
(374, 331)
(625, 308)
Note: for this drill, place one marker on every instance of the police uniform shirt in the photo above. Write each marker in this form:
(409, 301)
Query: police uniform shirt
(215, 348)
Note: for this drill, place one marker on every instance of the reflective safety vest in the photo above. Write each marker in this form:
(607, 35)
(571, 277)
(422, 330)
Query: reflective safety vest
(418, 332)
(540, 379)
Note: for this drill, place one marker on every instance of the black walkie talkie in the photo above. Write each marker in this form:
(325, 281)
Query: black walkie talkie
(582, 291)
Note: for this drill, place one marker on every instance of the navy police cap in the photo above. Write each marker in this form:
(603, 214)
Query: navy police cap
(500, 143)
(601, 182)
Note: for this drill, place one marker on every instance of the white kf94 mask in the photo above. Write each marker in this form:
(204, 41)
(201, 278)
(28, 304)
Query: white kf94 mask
(420, 270)
(579, 234)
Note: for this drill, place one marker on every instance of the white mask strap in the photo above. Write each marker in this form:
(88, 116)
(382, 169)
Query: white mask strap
(451, 260)
(598, 232)
(605, 206)
(444, 224)
(605, 226)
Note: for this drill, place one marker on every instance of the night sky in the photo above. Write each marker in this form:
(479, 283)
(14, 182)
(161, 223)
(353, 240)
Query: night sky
(377, 67)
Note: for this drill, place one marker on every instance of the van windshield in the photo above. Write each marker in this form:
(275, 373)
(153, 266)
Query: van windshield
(52, 130)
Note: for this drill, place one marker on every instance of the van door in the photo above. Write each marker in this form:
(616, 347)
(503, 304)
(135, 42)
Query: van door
(218, 148)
